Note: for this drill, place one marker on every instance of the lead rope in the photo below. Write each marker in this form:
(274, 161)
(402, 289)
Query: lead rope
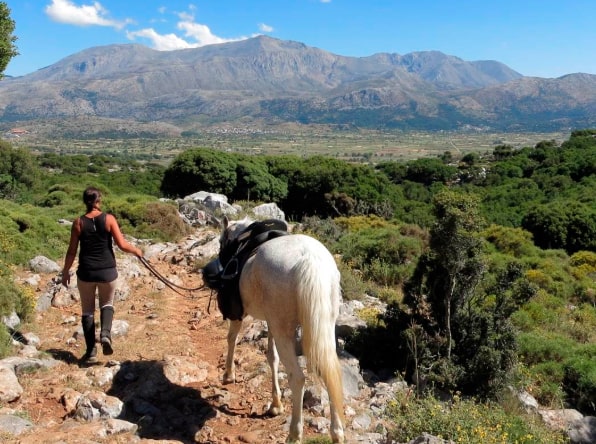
(171, 285)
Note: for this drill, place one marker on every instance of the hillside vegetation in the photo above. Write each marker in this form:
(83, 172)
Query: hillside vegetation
(487, 262)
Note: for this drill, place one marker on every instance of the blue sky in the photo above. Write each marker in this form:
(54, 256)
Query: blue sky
(547, 38)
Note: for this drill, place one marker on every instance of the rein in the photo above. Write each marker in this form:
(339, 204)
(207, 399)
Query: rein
(171, 285)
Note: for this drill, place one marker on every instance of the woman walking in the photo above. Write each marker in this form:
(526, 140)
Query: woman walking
(96, 273)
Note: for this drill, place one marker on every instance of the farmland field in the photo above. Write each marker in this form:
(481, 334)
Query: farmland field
(353, 145)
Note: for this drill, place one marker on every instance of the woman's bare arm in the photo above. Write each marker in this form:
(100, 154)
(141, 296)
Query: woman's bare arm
(71, 253)
(113, 227)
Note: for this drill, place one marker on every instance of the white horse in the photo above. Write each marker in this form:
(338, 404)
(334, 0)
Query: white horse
(292, 281)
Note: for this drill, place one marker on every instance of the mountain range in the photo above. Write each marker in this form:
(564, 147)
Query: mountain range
(266, 81)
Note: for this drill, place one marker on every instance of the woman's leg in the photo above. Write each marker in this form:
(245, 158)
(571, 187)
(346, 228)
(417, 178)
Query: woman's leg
(87, 295)
(106, 303)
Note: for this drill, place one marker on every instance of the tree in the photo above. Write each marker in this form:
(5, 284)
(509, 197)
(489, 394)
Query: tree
(200, 169)
(443, 285)
(18, 171)
(428, 171)
(562, 224)
(254, 182)
(456, 249)
(8, 50)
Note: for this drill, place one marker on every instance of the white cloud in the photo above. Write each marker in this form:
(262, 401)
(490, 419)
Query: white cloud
(265, 28)
(325, 1)
(196, 35)
(161, 42)
(65, 11)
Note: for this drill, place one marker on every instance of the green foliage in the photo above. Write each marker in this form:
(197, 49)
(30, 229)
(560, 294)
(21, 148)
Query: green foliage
(18, 171)
(254, 182)
(428, 171)
(549, 190)
(506, 204)
(380, 346)
(586, 260)
(382, 255)
(26, 232)
(580, 381)
(5, 341)
(13, 298)
(200, 169)
(352, 285)
(143, 179)
(460, 336)
(562, 224)
(510, 241)
(144, 217)
(466, 421)
(447, 276)
(318, 440)
(8, 49)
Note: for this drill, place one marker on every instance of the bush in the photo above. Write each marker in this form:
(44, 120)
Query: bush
(162, 221)
(13, 299)
(383, 255)
(5, 341)
(537, 347)
(352, 286)
(26, 232)
(579, 382)
(466, 421)
(145, 217)
(54, 199)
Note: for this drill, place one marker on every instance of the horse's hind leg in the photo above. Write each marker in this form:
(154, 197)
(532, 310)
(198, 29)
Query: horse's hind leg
(286, 347)
(230, 371)
(276, 407)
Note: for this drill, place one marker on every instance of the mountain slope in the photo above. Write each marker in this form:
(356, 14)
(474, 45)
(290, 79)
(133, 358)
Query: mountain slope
(268, 80)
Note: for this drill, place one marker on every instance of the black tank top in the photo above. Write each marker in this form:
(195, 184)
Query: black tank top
(96, 257)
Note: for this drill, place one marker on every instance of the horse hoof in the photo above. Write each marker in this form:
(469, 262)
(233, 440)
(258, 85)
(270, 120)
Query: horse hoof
(275, 411)
(229, 378)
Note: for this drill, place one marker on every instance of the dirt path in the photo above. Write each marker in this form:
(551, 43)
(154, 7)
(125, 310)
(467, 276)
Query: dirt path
(163, 325)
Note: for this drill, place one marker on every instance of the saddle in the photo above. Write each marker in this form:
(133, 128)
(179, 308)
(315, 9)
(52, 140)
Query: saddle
(222, 274)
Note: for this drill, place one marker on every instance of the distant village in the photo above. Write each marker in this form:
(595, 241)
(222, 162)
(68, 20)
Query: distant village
(15, 133)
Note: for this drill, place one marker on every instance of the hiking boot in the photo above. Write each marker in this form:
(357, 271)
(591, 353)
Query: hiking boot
(90, 357)
(105, 337)
(106, 345)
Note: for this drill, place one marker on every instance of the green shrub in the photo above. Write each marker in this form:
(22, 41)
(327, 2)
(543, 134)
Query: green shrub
(383, 255)
(26, 232)
(537, 347)
(580, 382)
(352, 286)
(144, 217)
(161, 221)
(54, 199)
(327, 230)
(14, 298)
(5, 341)
(512, 241)
(465, 421)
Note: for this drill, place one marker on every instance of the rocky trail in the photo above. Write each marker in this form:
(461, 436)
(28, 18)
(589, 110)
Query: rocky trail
(164, 381)
(163, 384)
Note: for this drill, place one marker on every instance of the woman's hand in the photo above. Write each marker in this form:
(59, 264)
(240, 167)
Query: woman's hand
(66, 278)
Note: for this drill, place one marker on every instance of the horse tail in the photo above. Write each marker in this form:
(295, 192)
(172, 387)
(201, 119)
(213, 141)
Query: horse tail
(319, 296)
